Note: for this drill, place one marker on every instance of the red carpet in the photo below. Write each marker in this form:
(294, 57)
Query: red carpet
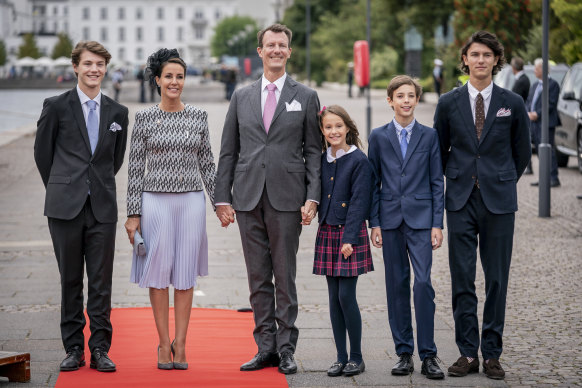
(219, 341)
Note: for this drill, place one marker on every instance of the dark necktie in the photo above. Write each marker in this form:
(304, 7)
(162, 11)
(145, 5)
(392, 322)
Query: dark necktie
(479, 115)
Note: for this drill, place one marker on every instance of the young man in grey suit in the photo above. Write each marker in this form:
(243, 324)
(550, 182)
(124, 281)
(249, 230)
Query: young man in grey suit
(80, 143)
(269, 172)
(484, 139)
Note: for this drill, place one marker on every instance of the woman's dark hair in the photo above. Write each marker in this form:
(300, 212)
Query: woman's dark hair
(352, 137)
(489, 40)
(158, 60)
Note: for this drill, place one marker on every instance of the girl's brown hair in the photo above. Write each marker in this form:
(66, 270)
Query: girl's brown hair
(353, 135)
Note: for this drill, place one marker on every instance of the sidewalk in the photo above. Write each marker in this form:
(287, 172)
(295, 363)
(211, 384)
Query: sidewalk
(543, 334)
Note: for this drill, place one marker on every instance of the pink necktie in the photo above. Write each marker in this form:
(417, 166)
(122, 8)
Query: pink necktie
(270, 106)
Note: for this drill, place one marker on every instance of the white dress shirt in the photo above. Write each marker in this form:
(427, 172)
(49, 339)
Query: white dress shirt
(486, 93)
(400, 128)
(265, 92)
(84, 98)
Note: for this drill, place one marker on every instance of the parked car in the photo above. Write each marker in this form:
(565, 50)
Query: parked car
(506, 79)
(569, 134)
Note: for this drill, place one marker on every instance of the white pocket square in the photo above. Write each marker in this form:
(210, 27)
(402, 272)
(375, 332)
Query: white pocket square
(115, 127)
(294, 106)
(503, 112)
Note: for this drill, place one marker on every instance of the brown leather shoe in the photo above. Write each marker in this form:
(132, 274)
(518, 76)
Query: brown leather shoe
(492, 369)
(462, 367)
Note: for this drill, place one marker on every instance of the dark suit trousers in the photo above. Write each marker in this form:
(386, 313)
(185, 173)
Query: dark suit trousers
(76, 242)
(270, 239)
(397, 245)
(495, 240)
(536, 136)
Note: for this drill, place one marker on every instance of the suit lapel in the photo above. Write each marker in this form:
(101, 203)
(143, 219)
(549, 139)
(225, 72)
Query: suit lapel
(391, 133)
(414, 140)
(103, 120)
(464, 107)
(77, 111)
(497, 101)
(256, 102)
(287, 95)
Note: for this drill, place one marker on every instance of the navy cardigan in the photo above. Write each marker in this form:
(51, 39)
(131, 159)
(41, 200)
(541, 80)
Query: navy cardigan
(346, 193)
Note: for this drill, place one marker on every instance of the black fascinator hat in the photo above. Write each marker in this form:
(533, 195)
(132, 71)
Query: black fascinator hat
(156, 63)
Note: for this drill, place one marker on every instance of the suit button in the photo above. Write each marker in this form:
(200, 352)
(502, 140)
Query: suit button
(331, 178)
(91, 164)
(478, 156)
(403, 174)
(339, 226)
(343, 204)
(263, 165)
(329, 196)
(88, 181)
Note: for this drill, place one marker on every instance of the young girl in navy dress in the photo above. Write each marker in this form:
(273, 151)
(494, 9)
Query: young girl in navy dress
(342, 247)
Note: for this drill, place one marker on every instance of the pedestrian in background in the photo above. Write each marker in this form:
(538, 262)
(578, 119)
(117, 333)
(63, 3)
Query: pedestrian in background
(166, 203)
(407, 222)
(521, 87)
(482, 167)
(117, 80)
(142, 81)
(437, 76)
(350, 78)
(342, 247)
(79, 148)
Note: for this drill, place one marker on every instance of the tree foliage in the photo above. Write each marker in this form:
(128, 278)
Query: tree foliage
(569, 12)
(2, 53)
(28, 48)
(234, 35)
(63, 47)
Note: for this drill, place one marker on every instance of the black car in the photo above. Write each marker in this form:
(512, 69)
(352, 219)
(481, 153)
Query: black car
(569, 134)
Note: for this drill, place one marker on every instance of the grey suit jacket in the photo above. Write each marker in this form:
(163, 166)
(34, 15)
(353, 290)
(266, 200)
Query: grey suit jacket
(286, 160)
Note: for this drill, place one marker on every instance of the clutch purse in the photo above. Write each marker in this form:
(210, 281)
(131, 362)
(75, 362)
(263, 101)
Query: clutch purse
(138, 244)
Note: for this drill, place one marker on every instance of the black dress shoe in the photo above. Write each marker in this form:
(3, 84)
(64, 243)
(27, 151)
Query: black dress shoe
(535, 184)
(404, 366)
(528, 170)
(287, 366)
(336, 369)
(101, 361)
(352, 368)
(431, 369)
(555, 183)
(75, 359)
(261, 360)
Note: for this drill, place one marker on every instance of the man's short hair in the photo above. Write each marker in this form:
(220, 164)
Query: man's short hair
(92, 46)
(400, 80)
(489, 40)
(275, 28)
(517, 63)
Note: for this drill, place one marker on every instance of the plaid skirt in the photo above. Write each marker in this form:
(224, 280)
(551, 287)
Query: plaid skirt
(329, 259)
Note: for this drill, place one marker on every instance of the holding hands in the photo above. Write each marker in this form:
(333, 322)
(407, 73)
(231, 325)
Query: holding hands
(225, 214)
(308, 212)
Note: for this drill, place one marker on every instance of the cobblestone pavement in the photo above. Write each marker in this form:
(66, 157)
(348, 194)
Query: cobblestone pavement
(543, 334)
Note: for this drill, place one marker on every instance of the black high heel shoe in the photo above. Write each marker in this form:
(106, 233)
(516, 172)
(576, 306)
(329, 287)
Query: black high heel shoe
(178, 365)
(166, 365)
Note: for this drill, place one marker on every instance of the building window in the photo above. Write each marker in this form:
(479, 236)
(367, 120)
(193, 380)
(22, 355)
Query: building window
(139, 34)
(139, 54)
(180, 13)
(199, 32)
(122, 34)
(55, 10)
(56, 27)
(180, 34)
(104, 34)
(86, 33)
(160, 13)
(138, 13)
(86, 13)
(66, 10)
(160, 34)
(103, 13)
(121, 13)
(217, 14)
(66, 27)
(122, 53)
(198, 14)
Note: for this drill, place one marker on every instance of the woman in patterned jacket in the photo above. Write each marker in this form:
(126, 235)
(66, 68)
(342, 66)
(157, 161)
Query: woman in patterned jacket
(170, 161)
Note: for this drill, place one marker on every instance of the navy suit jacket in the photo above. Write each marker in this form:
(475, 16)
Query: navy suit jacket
(497, 160)
(553, 94)
(408, 189)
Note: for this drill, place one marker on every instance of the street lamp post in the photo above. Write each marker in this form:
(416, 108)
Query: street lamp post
(544, 148)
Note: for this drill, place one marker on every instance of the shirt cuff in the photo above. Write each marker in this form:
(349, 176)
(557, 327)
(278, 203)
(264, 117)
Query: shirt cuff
(222, 204)
(312, 200)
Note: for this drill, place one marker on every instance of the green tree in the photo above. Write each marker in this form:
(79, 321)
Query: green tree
(236, 35)
(28, 48)
(2, 53)
(569, 12)
(63, 47)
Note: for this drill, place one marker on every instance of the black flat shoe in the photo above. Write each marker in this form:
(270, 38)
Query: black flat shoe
(352, 368)
(261, 360)
(404, 366)
(75, 359)
(335, 369)
(101, 361)
(287, 366)
(430, 368)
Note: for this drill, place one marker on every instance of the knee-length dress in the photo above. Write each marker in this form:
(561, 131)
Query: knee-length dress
(170, 162)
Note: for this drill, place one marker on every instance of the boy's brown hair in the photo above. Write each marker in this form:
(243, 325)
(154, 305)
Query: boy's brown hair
(400, 80)
(353, 135)
(92, 46)
(275, 28)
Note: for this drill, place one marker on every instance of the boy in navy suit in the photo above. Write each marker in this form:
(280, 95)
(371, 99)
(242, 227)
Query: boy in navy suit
(407, 222)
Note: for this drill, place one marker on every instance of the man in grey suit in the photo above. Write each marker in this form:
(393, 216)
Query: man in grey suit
(269, 172)
(80, 143)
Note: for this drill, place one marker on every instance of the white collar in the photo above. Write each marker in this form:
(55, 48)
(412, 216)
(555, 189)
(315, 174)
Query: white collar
(486, 93)
(339, 153)
(84, 98)
(279, 82)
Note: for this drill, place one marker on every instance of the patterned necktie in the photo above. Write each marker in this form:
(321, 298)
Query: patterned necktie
(479, 115)
(270, 106)
(92, 125)
(403, 142)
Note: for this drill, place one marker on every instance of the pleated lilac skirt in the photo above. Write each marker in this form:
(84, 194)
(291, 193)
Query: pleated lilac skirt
(173, 227)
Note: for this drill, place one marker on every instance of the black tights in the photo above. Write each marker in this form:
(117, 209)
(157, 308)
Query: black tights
(345, 315)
